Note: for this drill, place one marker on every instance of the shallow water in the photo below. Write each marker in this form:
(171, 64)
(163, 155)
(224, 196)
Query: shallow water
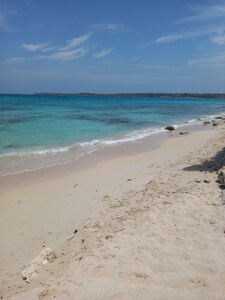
(37, 131)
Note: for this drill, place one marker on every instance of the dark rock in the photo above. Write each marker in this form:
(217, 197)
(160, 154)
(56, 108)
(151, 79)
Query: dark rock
(185, 132)
(11, 146)
(206, 123)
(170, 128)
(215, 124)
(221, 175)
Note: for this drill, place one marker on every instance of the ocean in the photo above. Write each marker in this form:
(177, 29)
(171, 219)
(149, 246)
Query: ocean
(38, 130)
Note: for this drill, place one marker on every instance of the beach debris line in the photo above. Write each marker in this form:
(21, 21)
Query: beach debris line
(170, 128)
(46, 256)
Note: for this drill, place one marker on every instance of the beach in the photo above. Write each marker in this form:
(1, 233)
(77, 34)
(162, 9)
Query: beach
(112, 154)
(148, 225)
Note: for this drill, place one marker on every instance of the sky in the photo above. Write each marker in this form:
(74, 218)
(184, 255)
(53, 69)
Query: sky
(112, 46)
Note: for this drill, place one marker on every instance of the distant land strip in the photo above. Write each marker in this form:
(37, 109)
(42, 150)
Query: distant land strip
(143, 95)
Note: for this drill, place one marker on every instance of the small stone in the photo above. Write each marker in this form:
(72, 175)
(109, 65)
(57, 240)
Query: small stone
(206, 181)
(185, 132)
(170, 128)
(141, 275)
(206, 123)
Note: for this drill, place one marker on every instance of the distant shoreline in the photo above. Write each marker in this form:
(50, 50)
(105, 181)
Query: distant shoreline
(143, 95)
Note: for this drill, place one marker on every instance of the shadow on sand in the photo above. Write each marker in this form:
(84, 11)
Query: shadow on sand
(211, 165)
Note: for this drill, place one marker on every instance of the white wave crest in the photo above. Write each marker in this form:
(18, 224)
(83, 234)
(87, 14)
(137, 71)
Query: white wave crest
(30, 153)
(134, 136)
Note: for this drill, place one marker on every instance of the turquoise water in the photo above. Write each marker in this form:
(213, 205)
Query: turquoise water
(40, 130)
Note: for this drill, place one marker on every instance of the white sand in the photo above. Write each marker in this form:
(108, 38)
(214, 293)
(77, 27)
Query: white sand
(150, 226)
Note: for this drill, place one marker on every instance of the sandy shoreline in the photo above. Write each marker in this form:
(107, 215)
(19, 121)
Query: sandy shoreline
(147, 224)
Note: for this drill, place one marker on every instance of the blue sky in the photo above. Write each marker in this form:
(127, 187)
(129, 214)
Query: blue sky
(112, 46)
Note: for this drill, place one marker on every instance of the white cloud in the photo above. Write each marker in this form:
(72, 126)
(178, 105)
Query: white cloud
(5, 15)
(4, 19)
(219, 39)
(170, 38)
(58, 56)
(76, 42)
(14, 60)
(3, 22)
(103, 53)
(102, 26)
(33, 47)
(47, 49)
(187, 35)
(66, 55)
(211, 61)
(206, 12)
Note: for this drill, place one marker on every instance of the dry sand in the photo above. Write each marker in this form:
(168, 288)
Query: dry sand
(147, 226)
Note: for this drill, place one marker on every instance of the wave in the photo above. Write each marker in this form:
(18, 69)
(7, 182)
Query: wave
(29, 153)
(134, 136)
(89, 146)
(82, 148)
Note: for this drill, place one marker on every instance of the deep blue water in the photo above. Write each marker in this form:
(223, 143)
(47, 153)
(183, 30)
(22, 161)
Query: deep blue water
(51, 128)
